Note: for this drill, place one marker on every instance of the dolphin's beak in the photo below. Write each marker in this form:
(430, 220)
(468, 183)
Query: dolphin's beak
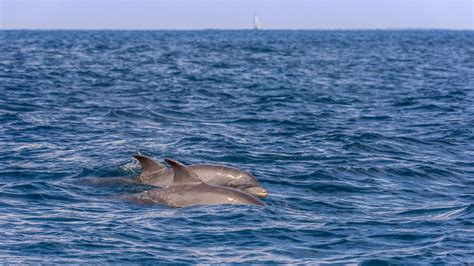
(257, 191)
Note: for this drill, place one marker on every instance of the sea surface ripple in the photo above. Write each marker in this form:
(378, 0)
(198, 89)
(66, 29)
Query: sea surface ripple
(364, 140)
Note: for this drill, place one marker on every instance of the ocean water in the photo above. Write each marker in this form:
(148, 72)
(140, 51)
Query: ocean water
(364, 140)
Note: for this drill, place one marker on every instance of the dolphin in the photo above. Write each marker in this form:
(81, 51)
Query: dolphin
(156, 174)
(187, 189)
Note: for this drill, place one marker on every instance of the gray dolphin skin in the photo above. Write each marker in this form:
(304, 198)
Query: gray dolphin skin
(187, 189)
(156, 174)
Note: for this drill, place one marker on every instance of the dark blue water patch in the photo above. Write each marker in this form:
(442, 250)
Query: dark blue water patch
(363, 140)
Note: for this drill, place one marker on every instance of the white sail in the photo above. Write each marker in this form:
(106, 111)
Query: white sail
(256, 23)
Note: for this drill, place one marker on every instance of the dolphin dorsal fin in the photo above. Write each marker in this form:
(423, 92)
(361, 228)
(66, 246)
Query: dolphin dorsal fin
(148, 165)
(182, 174)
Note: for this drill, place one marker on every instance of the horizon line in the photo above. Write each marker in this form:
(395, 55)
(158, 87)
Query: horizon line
(237, 29)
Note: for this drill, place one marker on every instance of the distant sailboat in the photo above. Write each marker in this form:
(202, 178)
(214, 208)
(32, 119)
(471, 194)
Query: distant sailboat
(256, 23)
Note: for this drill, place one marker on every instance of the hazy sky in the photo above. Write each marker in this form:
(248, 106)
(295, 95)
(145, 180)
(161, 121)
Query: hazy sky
(235, 14)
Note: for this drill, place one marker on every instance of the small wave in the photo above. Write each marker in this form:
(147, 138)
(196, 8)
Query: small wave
(376, 262)
(433, 107)
(133, 166)
(338, 188)
(405, 102)
(438, 214)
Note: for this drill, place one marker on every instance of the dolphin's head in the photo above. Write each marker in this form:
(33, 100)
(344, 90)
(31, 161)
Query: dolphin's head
(226, 176)
(257, 191)
(247, 182)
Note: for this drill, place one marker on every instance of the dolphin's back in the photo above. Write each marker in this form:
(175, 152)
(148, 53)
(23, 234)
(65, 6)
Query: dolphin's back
(219, 175)
(193, 195)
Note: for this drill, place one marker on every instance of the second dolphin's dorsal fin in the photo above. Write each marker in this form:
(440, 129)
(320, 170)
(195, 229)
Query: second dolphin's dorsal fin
(182, 174)
(148, 165)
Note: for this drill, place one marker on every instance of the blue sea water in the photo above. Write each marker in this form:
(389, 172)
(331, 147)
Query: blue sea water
(364, 140)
